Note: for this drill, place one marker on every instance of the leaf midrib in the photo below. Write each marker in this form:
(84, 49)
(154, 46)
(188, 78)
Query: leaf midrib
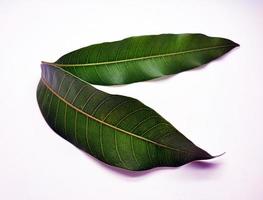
(105, 123)
(140, 58)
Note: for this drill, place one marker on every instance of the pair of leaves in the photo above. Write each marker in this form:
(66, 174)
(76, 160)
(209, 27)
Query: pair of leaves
(119, 130)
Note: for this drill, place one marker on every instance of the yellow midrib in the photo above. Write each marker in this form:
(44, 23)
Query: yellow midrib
(105, 123)
(139, 58)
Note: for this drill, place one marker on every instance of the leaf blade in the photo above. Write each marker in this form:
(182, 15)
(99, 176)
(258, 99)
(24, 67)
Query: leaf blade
(162, 55)
(147, 144)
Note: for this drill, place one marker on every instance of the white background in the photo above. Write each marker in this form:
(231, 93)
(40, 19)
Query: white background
(219, 106)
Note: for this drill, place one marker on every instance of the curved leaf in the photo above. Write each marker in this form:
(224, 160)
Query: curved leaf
(118, 130)
(142, 58)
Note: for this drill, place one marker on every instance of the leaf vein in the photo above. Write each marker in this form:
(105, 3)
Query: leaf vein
(107, 124)
(141, 58)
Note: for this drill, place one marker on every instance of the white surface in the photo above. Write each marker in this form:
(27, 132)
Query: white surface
(219, 106)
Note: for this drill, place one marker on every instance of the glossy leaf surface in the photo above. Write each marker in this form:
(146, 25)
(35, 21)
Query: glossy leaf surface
(118, 130)
(143, 57)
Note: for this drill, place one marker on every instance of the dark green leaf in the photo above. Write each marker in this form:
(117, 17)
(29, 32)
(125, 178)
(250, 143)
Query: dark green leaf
(118, 130)
(142, 58)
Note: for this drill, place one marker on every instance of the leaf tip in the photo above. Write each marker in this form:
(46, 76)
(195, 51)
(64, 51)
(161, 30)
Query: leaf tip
(219, 155)
(236, 44)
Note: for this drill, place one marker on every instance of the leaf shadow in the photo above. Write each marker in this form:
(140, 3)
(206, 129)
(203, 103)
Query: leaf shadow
(194, 169)
(202, 170)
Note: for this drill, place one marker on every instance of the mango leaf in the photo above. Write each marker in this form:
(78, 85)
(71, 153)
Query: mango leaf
(119, 130)
(143, 57)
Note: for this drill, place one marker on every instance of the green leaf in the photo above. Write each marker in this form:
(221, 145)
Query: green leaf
(118, 130)
(142, 58)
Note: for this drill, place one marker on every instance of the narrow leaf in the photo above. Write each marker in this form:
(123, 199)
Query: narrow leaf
(142, 58)
(118, 130)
